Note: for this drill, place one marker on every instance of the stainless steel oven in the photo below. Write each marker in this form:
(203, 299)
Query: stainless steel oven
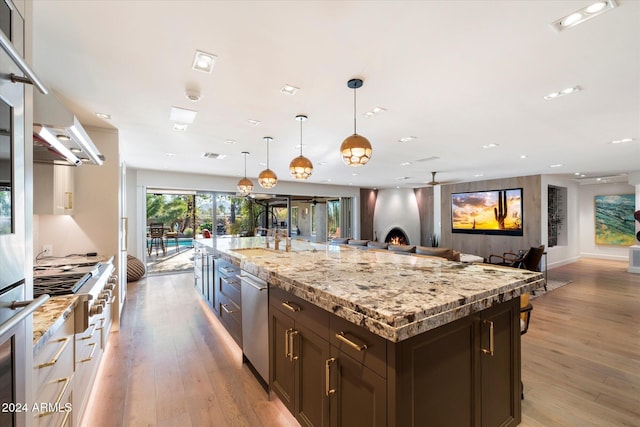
(14, 310)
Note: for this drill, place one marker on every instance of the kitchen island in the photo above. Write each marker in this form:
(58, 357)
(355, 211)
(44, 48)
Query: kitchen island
(433, 342)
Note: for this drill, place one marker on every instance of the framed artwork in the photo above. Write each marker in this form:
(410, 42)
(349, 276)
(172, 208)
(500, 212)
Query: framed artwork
(614, 219)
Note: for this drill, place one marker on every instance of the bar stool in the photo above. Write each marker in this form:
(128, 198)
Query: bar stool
(156, 234)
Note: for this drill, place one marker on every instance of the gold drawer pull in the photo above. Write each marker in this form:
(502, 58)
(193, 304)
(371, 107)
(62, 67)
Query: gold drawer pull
(56, 356)
(344, 339)
(66, 381)
(291, 306)
(226, 310)
(65, 419)
(328, 391)
(490, 351)
(88, 337)
(93, 350)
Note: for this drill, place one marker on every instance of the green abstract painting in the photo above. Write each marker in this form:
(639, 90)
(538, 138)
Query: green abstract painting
(614, 219)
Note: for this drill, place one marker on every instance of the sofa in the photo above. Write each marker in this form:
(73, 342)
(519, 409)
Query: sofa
(363, 244)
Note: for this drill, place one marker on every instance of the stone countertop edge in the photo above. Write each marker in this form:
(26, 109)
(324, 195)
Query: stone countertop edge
(50, 317)
(391, 326)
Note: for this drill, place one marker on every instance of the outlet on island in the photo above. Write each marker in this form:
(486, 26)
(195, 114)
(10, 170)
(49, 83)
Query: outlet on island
(47, 249)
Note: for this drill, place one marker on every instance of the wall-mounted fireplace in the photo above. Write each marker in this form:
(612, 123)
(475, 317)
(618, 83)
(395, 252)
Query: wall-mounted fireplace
(397, 236)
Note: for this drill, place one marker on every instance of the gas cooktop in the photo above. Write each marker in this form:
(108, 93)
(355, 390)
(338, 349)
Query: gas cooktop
(62, 280)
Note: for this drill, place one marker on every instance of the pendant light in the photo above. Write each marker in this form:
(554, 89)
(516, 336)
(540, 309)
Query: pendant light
(267, 178)
(245, 186)
(356, 149)
(301, 167)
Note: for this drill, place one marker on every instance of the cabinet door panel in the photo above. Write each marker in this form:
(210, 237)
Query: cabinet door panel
(282, 369)
(437, 374)
(501, 371)
(312, 352)
(360, 398)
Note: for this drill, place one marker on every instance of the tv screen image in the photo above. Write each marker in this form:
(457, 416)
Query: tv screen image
(487, 212)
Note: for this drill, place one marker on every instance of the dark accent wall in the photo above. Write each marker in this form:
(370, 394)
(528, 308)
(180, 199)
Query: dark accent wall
(483, 245)
(424, 198)
(367, 208)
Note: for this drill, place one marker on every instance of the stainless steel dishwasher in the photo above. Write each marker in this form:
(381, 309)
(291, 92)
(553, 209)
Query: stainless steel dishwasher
(255, 323)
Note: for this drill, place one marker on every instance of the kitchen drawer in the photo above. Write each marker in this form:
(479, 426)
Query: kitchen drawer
(88, 345)
(55, 359)
(53, 403)
(226, 268)
(301, 311)
(352, 339)
(231, 317)
(230, 288)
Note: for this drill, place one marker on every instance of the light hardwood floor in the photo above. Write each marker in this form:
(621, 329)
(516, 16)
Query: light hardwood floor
(173, 364)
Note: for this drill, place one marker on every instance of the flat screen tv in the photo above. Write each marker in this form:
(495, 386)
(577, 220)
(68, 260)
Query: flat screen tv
(495, 212)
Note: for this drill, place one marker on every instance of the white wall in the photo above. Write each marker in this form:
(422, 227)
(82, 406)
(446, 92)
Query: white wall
(588, 247)
(560, 255)
(397, 207)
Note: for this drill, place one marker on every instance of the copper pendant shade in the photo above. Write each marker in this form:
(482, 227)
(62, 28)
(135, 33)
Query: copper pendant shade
(245, 186)
(301, 167)
(267, 178)
(355, 149)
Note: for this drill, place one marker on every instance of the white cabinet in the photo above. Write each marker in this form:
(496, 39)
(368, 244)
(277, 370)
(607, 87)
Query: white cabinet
(53, 189)
(54, 378)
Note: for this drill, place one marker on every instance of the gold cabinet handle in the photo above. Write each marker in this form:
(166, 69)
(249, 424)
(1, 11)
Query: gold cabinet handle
(65, 419)
(88, 337)
(286, 344)
(291, 306)
(341, 336)
(226, 310)
(491, 341)
(66, 381)
(292, 336)
(327, 377)
(93, 350)
(56, 356)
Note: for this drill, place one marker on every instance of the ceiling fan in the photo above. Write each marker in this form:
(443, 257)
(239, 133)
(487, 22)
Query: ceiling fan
(433, 179)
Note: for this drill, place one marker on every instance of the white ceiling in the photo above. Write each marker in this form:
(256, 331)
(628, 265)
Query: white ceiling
(455, 74)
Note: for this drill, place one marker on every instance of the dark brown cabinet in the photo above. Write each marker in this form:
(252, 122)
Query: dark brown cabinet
(203, 274)
(227, 298)
(331, 372)
(314, 377)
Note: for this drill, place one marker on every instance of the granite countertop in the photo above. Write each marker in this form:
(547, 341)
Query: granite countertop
(70, 260)
(394, 296)
(50, 316)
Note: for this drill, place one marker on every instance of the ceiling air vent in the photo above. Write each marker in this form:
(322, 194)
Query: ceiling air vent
(214, 156)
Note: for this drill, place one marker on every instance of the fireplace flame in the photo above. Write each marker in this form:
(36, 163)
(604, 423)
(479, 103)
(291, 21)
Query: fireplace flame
(395, 240)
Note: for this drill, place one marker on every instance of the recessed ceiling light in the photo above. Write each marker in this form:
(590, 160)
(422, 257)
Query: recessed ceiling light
(327, 180)
(203, 61)
(62, 137)
(576, 173)
(523, 156)
(563, 92)
(321, 163)
(103, 116)
(253, 122)
(582, 15)
(262, 163)
(229, 141)
(405, 163)
(354, 174)
(557, 165)
(180, 127)
(289, 90)
(374, 111)
(492, 145)
(407, 139)
(182, 115)
(214, 156)
(170, 154)
(621, 141)
(75, 150)
(478, 175)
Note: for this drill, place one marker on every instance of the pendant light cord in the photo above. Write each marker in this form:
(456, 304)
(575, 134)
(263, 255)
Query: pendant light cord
(301, 137)
(354, 111)
(245, 165)
(267, 154)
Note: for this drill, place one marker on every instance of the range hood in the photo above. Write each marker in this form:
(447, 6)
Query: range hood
(58, 136)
